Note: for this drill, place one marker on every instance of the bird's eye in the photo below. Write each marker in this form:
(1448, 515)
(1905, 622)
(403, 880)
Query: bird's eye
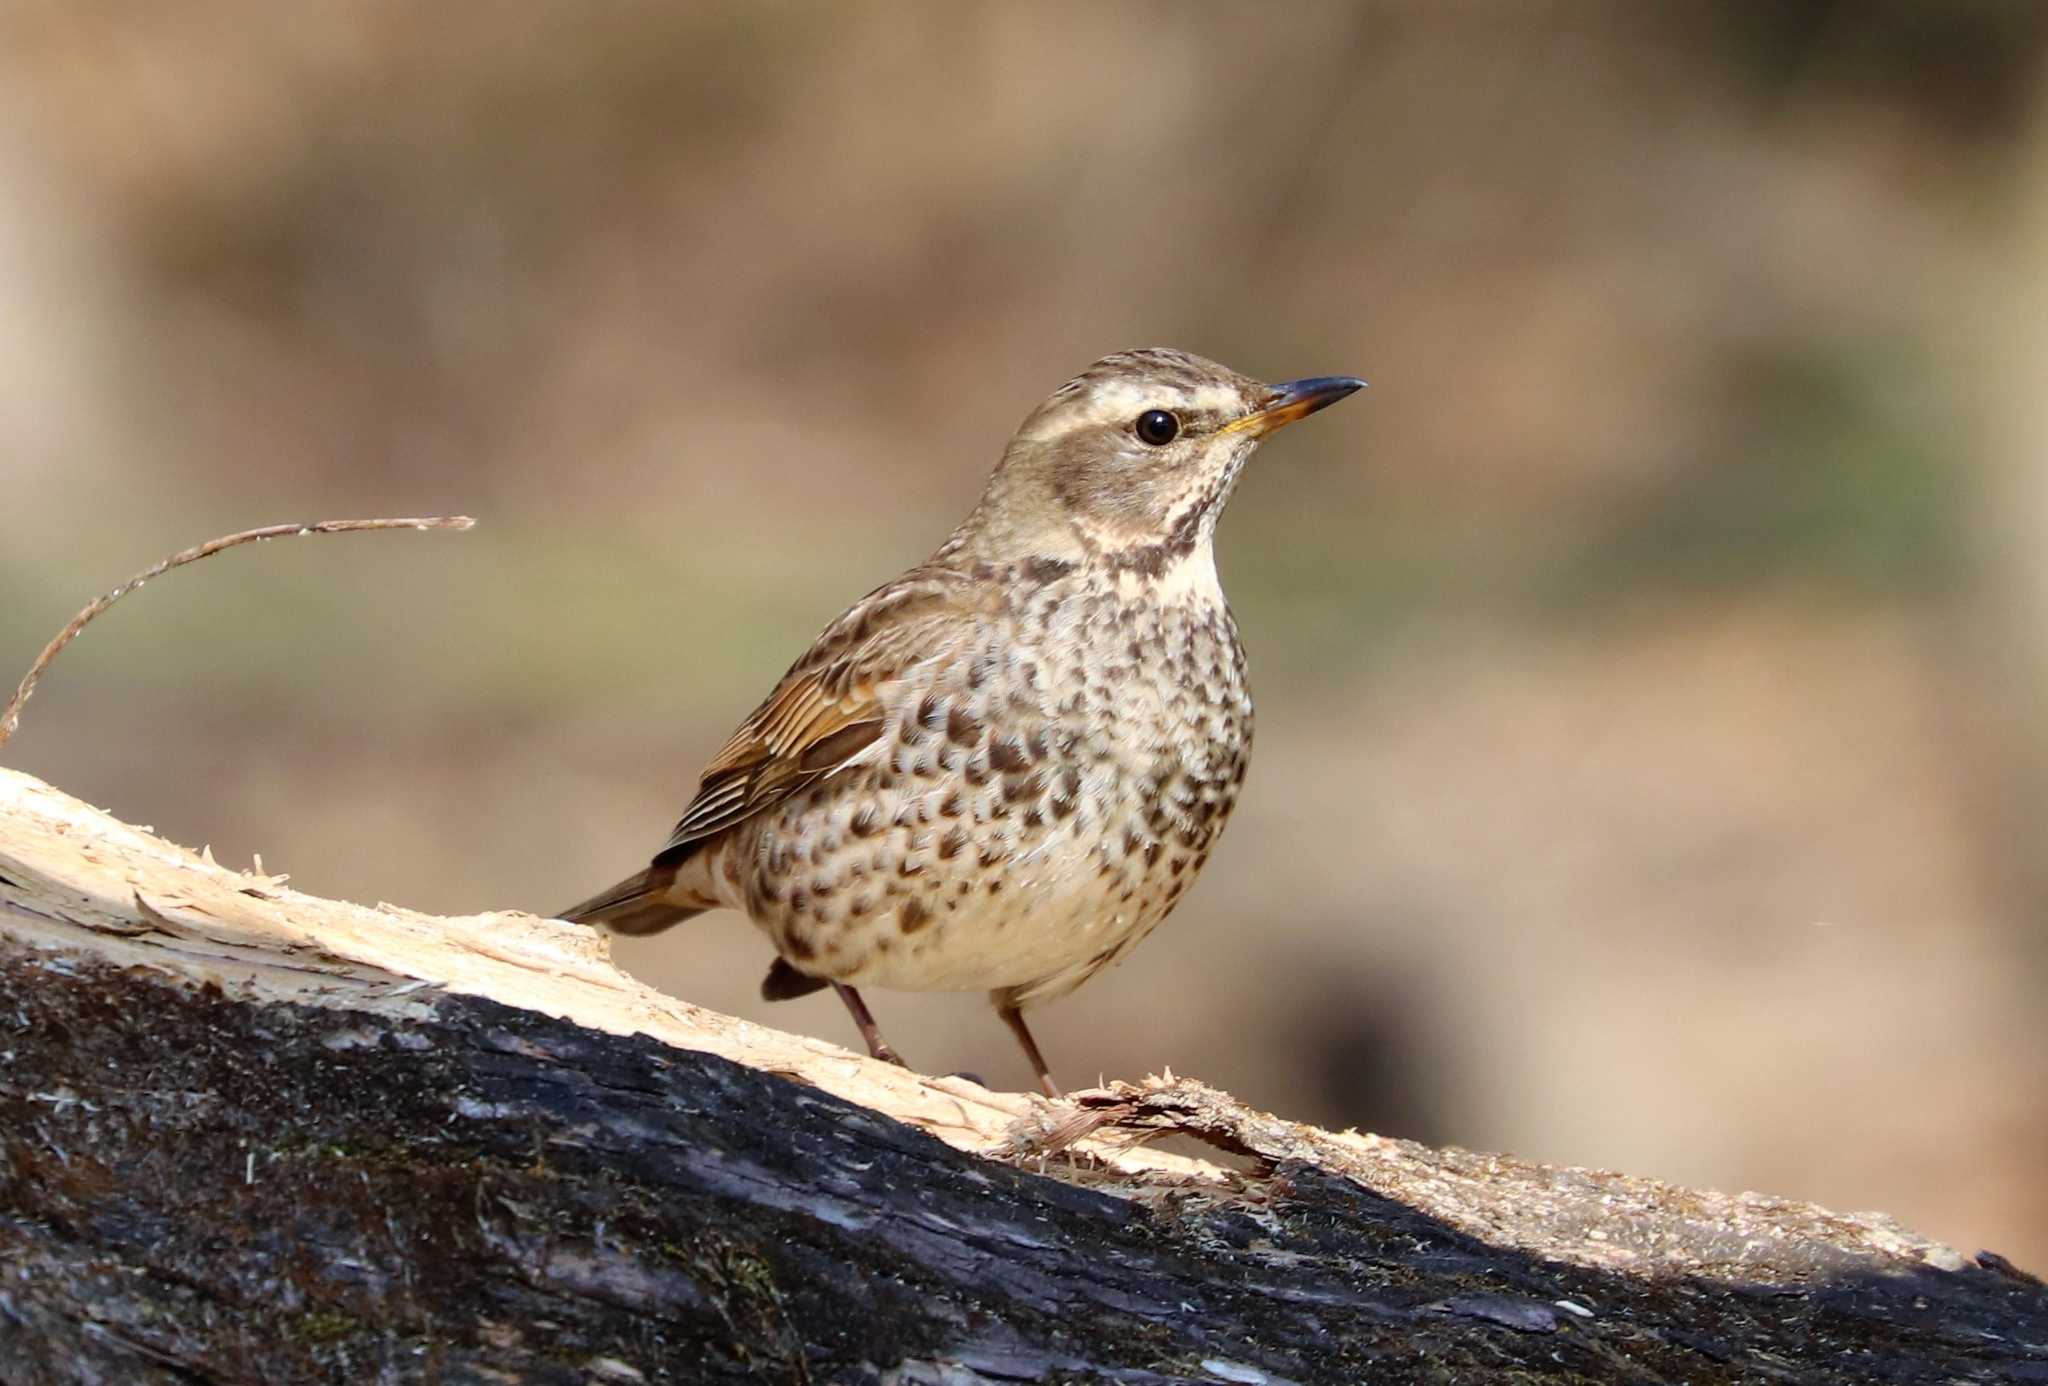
(1157, 427)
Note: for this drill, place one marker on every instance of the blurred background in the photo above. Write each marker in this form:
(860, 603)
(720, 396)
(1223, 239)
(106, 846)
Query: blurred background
(1651, 755)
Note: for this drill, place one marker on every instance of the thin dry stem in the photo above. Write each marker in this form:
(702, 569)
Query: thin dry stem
(10, 717)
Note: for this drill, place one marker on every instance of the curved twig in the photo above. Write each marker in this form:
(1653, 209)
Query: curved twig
(10, 716)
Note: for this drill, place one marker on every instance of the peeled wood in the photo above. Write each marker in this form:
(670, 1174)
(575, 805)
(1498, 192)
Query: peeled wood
(250, 1134)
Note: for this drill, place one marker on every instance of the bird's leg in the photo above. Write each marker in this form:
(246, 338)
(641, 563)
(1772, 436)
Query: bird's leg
(878, 1048)
(1014, 1018)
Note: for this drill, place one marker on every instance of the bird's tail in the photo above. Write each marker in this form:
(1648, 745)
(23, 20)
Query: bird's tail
(645, 903)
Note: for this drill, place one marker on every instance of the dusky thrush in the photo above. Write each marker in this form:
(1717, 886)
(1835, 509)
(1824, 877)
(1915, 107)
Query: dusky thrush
(1002, 769)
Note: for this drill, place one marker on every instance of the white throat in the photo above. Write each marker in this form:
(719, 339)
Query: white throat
(1190, 580)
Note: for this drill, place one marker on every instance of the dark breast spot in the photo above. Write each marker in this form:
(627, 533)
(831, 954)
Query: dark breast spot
(1046, 569)
(1027, 787)
(961, 729)
(1005, 754)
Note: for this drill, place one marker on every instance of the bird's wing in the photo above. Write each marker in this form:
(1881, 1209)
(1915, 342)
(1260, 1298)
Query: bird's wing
(829, 707)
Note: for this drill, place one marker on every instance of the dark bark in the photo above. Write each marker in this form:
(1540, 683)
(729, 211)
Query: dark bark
(197, 1187)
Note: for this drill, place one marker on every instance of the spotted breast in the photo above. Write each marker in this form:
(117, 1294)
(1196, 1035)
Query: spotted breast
(1044, 790)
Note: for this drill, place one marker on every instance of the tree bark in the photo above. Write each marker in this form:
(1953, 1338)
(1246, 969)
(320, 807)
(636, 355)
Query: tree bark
(248, 1135)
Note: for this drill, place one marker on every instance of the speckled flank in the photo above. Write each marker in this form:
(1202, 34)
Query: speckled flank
(1040, 801)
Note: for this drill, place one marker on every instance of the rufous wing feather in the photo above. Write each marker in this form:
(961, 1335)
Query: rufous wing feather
(829, 709)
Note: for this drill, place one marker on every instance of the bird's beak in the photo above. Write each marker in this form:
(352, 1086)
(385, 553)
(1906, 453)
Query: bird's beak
(1296, 399)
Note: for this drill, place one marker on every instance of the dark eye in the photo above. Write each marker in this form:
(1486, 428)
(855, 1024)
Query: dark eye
(1157, 427)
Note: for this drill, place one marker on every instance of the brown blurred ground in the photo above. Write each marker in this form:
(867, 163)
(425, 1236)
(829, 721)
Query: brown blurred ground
(1650, 759)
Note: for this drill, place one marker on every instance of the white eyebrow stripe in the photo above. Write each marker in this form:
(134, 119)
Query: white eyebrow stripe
(1116, 400)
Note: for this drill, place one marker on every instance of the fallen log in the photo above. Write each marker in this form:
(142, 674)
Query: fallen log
(251, 1135)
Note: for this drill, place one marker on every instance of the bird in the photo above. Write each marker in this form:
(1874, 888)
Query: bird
(1002, 769)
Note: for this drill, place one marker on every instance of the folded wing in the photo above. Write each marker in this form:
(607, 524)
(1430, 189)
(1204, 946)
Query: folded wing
(832, 706)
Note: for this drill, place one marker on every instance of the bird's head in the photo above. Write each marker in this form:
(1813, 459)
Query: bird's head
(1132, 460)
